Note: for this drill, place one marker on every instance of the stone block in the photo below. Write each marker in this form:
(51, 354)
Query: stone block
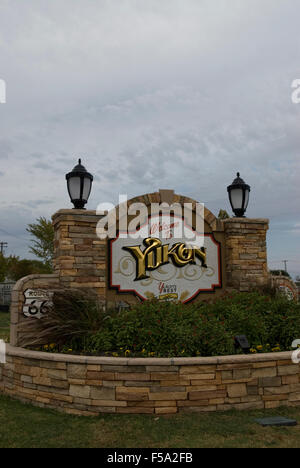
(131, 376)
(77, 371)
(294, 397)
(293, 369)
(168, 410)
(207, 395)
(82, 391)
(161, 369)
(275, 397)
(200, 376)
(173, 383)
(168, 396)
(114, 403)
(237, 390)
(42, 381)
(284, 389)
(241, 374)
(77, 381)
(102, 393)
(57, 374)
(133, 394)
(122, 369)
(270, 381)
(197, 369)
(26, 378)
(94, 375)
(227, 375)
(59, 383)
(135, 410)
(163, 375)
(265, 372)
(290, 379)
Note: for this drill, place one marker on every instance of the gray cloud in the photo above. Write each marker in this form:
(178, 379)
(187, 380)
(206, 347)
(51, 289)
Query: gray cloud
(152, 95)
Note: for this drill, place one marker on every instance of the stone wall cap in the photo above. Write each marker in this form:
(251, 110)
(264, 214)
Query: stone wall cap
(246, 220)
(73, 212)
(183, 361)
(20, 283)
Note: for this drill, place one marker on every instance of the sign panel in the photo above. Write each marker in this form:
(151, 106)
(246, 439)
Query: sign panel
(288, 292)
(152, 263)
(37, 303)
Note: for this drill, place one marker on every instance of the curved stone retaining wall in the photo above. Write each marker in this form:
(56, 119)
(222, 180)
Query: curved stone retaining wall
(91, 385)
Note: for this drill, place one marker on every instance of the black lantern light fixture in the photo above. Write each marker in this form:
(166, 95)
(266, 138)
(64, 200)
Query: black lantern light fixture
(239, 196)
(79, 183)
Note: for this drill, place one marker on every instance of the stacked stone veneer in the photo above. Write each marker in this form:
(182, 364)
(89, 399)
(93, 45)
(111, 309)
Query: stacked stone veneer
(80, 257)
(17, 318)
(89, 385)
(246, 253)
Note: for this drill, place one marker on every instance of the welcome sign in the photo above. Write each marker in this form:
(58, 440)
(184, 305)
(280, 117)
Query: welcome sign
(153, 262)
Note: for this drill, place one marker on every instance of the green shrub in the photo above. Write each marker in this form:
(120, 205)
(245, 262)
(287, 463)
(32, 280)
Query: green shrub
(164, 329)
(169, 329)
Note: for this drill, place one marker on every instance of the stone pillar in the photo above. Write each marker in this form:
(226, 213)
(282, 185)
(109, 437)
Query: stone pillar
(79, 255)
(246, 253)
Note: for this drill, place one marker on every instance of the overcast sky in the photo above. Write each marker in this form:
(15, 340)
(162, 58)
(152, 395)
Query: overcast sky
(152, 94)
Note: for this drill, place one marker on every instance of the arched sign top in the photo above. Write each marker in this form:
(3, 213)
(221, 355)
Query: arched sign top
(170, 197)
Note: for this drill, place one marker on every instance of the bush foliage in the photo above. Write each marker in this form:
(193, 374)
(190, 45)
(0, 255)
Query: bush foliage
(166, 329)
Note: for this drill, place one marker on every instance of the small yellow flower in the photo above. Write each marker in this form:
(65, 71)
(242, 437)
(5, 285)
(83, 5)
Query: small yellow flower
(127, 351)
(253, 351)
(115, 354)
(46, 346)
(259, 347)
(70, 350)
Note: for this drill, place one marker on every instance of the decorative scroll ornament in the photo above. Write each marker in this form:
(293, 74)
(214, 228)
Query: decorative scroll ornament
(37, 303)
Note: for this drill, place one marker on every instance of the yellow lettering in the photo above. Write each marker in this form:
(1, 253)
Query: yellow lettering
(156, 255)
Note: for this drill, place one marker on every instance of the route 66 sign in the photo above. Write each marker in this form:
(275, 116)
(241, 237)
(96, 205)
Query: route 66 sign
(287, 292)
(37, 302)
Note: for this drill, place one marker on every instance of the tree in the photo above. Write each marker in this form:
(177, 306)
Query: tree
(280, 273)
(223, 214)
(43, 240)
(19, 268)
(2, 268)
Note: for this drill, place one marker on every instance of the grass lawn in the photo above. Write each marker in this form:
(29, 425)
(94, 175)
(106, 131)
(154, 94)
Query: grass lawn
(4, 326)
(26, 426)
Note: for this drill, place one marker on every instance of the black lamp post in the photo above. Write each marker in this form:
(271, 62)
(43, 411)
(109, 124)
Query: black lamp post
(239, 196)
(79, 183)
